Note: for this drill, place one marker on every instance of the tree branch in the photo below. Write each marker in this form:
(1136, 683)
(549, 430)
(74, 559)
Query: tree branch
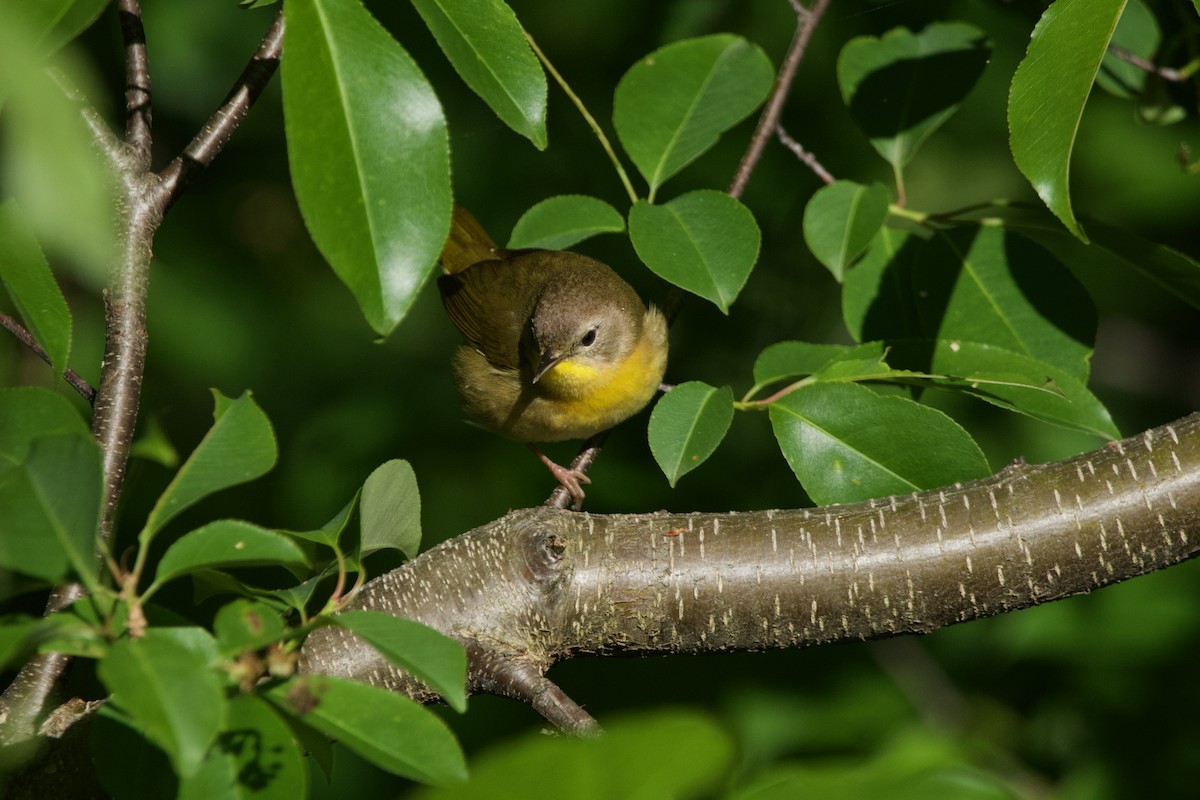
(540, 585)
(137, 82)
(807, 19)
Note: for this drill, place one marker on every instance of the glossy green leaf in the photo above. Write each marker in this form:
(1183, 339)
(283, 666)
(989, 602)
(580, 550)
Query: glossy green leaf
(256, 757)
(239, 447)
(846, 443)
(391, 509)
(48, 156)
(486, 44)
(841, 219)
(993, 286)
(432, 657)
(704, 241)
(1049, 91)
(1017, 382)
(227, 543)
(785, 360)
(864, 362)
(368, 153)
(27, 412)
(384, 727)
(27, 277)
(559, 222)
(246, 625)
(671, 106)
(687, 425)
(170, 692)
(901, 87)
(1138, 33)
(51, 506)
(628, 761)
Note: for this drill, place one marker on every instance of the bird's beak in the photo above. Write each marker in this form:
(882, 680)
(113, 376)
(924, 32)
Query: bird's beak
(549, 359)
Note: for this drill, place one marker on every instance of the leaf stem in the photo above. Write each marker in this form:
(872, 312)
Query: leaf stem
(587, 116)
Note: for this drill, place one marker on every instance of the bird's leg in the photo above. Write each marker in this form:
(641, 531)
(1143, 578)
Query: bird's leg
(569, 478)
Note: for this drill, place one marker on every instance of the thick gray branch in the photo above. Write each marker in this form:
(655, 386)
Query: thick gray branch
(541, 585)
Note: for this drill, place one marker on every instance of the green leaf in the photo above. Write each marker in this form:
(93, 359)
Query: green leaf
(53, 23)
(27, 277)
(246, 625)
(845, 443)
(671, 106)
(559, 222)
(877, 296)
(1049, 91)
(785, 360)
(486, 44)
(1137, 32)
(391, 509)
(13, 635)
(385, 728)
(51, 506)
(368, 153)
(239, 447)
(227, 543)
(128, 765)
(429, 655)
(1016, 382)
(27, 412)
(704, 241)
(686, 426)
(1174, 271)
(170, 692)
(628, 761)
(841, 219)
(993, 286)
(256, 757)
(900, 88)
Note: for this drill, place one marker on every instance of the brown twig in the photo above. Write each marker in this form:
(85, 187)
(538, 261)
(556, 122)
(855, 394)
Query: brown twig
(807, 19)
(805, 156)
(26, 338)
(1166, 73)
(137, 81)
(560, 497)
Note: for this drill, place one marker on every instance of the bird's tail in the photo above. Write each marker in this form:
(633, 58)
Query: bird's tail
(468, 243)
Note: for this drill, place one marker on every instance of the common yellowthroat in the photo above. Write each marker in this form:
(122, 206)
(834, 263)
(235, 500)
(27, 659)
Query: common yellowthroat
(557, 346)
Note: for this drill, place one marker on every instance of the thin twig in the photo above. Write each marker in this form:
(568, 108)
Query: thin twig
(137, 81)
(587, 117)
(1166, 73)
(807, 19)
(26, 338)
(806, 156)
(560, 497)
(215, 134)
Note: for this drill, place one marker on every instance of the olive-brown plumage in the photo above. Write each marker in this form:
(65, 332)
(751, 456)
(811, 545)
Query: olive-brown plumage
(557, 346)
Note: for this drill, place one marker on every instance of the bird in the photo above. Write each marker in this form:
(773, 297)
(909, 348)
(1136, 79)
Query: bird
(556, 345)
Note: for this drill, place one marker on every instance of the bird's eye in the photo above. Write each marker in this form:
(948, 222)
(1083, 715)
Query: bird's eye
(588, 338)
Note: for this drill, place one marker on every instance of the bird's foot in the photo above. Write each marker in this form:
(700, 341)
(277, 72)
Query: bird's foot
(569, 478)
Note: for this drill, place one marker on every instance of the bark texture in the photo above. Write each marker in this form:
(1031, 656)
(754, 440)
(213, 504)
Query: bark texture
(541, 585)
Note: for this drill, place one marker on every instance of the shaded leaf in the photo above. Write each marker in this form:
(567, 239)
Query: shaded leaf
(429, 655)
(841, 219)
(27, 412)
(1049, 91)
(784, 360)
(559, 222)
(26, 275)
(687, 425)
(128, 765)
(51, 507)
(239, 447)
(900, 88)
(486, 44)
(246, 625)
(391, 509)
(385, 728)
(170, 693)
(368, 153)
(845, 443)
(1137, 32)
(671, 106)
(704, 241)
(227, 543)
(877, 293)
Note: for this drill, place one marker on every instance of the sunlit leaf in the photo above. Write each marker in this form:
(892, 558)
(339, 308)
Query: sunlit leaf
(560, 222)
(841, 219)
(687, 425)
(227, 543)
(368, 153)
(1049, 91)
(391, 509)
(486, 44)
